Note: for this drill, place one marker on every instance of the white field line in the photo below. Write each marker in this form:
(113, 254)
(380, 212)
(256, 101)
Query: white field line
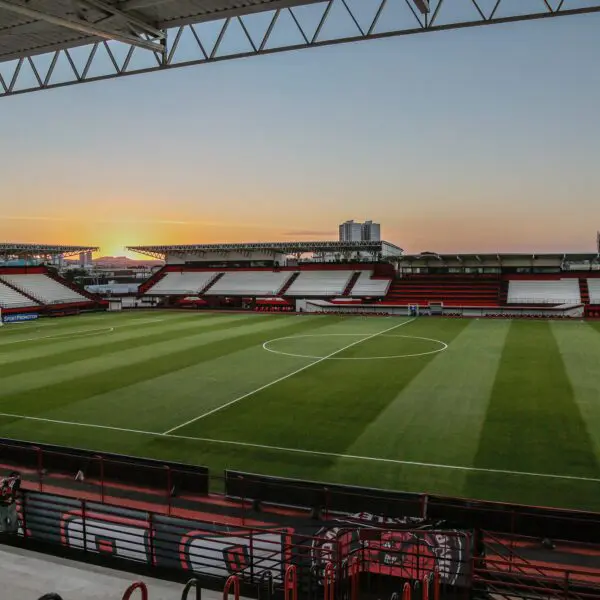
(308, 452)
(279, 379)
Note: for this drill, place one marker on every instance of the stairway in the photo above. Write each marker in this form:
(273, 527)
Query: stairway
(73, 286)
(288, 283)
(22, 292)
(584, 290)
(503, 294)
(152, 281)
(212, 282)
(351, 283)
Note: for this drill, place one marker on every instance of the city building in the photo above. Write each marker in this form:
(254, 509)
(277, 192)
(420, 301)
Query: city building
(350, 231)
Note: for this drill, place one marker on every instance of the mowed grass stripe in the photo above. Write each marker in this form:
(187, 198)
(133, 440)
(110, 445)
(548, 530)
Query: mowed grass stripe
(436, 418)
(534, 424)
(579, 345)
(329, 405)
(54, 341)
(201, 387)
(114, 342)
(130, 357)
(135, 366)
(14, 334)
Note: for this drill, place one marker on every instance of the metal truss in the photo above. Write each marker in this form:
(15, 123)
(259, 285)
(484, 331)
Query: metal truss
(319, 24)
(266, 247)
(136, 31)
(14, 251)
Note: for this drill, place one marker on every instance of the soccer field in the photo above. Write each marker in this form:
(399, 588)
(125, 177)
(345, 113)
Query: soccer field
(490, 409)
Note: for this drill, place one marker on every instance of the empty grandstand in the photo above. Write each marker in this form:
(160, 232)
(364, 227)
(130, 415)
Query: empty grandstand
(27, 285)
(271, 270)
(183, 283)
(368, 285)
(12, 298)
(250, 283)
(43, 288)
(544, 291)
(320, 283)
(594, 290)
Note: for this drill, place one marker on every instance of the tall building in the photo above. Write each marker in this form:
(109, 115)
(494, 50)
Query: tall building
(371, 232)
(368, 231)
(350, 232)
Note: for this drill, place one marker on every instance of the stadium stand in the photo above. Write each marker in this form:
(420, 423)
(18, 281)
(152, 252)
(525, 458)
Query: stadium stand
(544, 291)
(43, 288)
(320, 283)
(366, 285)
(451, 289)
(594, 290)
(250, 283)
(183, 283)
(11, 298)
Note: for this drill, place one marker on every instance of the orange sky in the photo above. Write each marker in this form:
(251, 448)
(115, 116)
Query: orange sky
(451, 149)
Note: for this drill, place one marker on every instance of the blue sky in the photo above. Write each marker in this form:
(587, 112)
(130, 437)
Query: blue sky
(481, 139)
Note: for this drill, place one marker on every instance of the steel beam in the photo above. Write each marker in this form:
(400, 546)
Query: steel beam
(135, 23)
(203, 49)
(81, 26)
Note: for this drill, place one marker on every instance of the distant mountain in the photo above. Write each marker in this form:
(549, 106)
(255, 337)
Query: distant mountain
(125, 262)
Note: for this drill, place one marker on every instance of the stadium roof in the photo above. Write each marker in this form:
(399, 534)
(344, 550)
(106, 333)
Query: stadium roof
(25, 250)
(91, 40)
(30, 27)
(271, 248)
(432, 259)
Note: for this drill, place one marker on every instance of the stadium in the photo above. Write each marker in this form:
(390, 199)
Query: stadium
(293, 419)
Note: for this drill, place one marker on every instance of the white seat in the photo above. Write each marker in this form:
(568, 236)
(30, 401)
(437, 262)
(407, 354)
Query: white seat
(544, 291)
(594, 288)
(10, 298)
(365, 286)
(320, 283)
(44, 288)
(250, 283)
(182, 283)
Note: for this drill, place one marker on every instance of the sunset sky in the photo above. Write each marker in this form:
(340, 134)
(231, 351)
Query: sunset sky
(485, 139)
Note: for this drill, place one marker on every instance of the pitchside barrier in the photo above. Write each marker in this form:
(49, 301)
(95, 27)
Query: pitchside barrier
(258, 557)
(116, 479)
(505, 518)
(46, 459)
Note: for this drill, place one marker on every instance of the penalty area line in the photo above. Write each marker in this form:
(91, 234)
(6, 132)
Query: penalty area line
(375, 459)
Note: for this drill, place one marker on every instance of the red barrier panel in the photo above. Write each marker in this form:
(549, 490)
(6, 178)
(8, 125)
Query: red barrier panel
(329, 582)
(233, 580)
(436, 584)
(354, 573)
(138, 585)
(290, 588)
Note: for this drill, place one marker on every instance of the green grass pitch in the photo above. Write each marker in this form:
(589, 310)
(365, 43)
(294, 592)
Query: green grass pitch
(507, 411)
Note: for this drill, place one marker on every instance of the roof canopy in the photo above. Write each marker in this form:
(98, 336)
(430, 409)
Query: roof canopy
(327, 247)
(432, 259)
(31, 27)
(8, 250)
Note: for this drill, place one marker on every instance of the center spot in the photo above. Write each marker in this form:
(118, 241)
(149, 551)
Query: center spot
(333, 346)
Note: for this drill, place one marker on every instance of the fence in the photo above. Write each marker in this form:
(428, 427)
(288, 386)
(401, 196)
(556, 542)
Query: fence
(261, 559)
(172, 489)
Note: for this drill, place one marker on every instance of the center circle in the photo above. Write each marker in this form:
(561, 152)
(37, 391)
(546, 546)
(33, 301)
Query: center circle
(441, 346)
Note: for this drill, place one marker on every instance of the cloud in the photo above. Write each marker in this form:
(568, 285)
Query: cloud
(306, 233)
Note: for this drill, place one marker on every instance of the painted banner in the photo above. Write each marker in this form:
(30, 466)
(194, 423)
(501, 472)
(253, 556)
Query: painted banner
(219, 550)
(19, 318)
